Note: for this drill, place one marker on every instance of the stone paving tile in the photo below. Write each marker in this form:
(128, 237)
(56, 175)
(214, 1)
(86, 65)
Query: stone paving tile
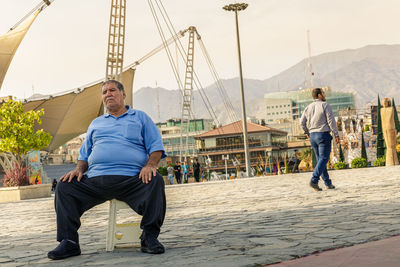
(246, 222)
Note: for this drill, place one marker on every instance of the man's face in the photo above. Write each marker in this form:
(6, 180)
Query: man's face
(113, 98)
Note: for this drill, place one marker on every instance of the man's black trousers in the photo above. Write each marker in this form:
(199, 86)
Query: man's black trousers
(74, 198)
(178, 178)
(197, 175)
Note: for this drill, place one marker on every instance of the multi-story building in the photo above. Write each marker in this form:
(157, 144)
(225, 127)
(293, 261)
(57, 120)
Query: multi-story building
(228, 140)
(279, 109)
(171, 135)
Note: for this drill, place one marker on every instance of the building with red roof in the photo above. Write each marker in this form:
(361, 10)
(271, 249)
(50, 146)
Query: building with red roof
(228, 140)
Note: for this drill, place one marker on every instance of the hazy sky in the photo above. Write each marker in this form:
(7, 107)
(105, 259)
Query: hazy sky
(66, 46)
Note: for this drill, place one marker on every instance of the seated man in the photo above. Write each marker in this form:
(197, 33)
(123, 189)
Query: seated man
(120, 155)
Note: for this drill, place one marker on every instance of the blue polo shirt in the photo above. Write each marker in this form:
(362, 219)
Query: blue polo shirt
(120, 145)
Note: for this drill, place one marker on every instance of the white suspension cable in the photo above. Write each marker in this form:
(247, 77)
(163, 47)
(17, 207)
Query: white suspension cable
(182, 52)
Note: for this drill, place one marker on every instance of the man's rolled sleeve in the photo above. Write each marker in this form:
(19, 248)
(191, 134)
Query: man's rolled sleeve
(152, 137)
(86, 147)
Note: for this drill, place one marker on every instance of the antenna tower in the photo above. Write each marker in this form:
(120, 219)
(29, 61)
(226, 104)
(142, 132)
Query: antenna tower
(309, 60)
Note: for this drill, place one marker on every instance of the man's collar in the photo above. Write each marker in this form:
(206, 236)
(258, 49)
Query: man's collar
(317, 99)
(129, 111)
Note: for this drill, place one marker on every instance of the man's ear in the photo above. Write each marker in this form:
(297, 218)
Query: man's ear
(123, 94)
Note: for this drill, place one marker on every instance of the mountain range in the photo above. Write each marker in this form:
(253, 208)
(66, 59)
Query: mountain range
(365, 71)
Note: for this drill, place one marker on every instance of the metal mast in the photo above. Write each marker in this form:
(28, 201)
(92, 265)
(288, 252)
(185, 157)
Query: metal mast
(116, 40)
(236, 8)
(309, 60)
(187, 94)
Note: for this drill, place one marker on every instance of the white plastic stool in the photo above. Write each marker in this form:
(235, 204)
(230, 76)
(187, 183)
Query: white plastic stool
(122, 233)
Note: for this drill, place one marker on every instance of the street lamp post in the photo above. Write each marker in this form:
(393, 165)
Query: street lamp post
(238, 7)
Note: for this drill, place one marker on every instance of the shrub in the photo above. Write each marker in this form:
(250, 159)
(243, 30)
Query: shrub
(341, 165)
(163, 171)
(359, 163)
(380, 162)
(16, 176)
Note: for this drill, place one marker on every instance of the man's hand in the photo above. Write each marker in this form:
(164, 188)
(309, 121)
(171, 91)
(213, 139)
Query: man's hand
(69, 176)
(150, 169)
(78, 172)
(337, 139)
(146, 173)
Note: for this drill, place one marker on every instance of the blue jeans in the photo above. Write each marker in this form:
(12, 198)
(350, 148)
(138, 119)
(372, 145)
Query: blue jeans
(171, 179)
(321, 144)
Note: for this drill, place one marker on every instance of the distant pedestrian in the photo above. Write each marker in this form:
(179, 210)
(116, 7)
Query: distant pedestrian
(185, 168)
(170, 171)
(196, 170)
(317, 122)
(53, 185)
(177, 171)
(275, 169)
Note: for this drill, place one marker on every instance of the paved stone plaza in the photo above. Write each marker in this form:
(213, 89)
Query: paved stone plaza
(245, 222)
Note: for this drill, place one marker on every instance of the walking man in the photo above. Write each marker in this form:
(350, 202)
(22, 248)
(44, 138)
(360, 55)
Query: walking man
(178, 172)
(118, 159)
(317, 122)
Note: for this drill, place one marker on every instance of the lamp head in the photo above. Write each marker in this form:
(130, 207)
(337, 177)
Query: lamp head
(235, 7)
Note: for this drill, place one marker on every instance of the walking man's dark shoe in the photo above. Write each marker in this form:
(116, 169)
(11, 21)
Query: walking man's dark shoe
(64, 250)
(151, 245)
(315, 186)
(331, 186)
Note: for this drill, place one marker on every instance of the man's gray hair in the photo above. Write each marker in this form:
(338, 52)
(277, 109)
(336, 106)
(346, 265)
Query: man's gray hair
(120, 86)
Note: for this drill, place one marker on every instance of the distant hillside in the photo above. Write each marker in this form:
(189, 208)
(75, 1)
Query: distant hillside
(364, 71)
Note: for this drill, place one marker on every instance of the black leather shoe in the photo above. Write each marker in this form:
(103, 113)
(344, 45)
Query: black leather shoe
(151, 245)
(315, 186)
(331, 186)
(64, 250)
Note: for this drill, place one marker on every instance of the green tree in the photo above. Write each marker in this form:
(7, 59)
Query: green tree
(363, 150)
(341, 155)
(380, 146)
(306, 153)
(17, 133)
(396, 116)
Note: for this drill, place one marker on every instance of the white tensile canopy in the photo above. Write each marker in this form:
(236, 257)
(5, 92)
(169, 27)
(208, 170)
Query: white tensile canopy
(10, 41)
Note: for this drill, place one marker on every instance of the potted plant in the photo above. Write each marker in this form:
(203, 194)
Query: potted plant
(17, 137)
